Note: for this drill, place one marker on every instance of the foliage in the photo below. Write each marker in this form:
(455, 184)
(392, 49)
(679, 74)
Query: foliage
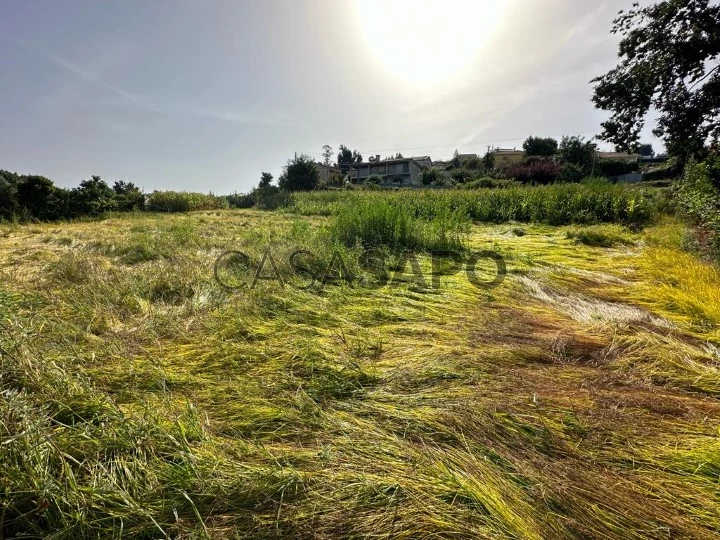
(576, 151)
(488, 160)
(601, 235)
(347, 158)
(698, 194)
(540, 146)
(183, 201)
(241, 200)
(128, 197)
(614, 167)
(666, 55)
(557, 204)
(92, 198)
(300, 174)
(537, 171)
(389, 223)
(569, 172)
(375, 179)
(646, 150)
(327, 154)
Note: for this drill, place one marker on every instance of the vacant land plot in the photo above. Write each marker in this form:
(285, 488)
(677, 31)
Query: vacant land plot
(576, 399)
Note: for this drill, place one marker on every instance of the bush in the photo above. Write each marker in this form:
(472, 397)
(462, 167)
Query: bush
(536, 171)
(375, 179)
(612, 167)
(569, 172)
(241, 200)
(698, 195)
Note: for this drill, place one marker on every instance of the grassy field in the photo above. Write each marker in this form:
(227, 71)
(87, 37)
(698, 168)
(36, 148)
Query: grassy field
(577, 399)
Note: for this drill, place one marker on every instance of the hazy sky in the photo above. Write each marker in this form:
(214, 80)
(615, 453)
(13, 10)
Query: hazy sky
(204, 95)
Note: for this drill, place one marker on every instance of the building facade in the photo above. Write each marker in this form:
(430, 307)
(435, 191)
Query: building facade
(392, 172)
(506, 157)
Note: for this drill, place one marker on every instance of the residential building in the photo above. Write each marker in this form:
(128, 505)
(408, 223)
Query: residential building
(505, 157)
(392, 172)
(327, 171)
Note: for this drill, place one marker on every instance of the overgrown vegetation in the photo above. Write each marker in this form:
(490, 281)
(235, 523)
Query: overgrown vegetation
(595, 202)
(139, 398)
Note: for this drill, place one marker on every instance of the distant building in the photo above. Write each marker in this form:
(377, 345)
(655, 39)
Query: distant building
(327, 171)
(505, 157)
(618, 156)
(392, 172)
(425, 161)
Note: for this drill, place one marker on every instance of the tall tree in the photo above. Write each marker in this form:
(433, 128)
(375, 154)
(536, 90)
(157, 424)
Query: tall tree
(327, 154)
(300, 174)
(540, 146)
(265, 180)
(668, 55)
(347, 158)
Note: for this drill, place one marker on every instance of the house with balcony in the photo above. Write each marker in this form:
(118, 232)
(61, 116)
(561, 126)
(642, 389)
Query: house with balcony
(392, 172)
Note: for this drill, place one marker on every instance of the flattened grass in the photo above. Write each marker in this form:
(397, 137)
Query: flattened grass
(144, 400)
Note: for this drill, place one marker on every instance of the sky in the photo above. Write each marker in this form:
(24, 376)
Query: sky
(204, 96)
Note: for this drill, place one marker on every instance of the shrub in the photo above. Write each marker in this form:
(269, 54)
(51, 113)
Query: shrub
(699, 198)
(536, 171)
(375, 179)
(612, 167)
(241, 200)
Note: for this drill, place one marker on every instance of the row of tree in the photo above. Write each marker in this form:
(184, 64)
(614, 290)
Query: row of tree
(36, 197)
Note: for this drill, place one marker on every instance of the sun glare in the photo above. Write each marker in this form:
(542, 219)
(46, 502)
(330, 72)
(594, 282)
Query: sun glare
(426, 41)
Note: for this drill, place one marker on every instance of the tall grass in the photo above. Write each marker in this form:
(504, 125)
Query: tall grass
(183, 201)
(558, 204)
(383, 222)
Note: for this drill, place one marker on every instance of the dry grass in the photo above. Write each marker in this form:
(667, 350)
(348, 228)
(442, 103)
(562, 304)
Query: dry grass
(140, 399)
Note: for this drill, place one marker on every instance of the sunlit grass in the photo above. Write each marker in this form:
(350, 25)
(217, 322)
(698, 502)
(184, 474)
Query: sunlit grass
(141, 399)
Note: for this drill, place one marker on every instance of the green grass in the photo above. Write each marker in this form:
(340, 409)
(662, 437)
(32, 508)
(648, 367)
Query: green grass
(601, 236)
(559, 204)
(140, 399)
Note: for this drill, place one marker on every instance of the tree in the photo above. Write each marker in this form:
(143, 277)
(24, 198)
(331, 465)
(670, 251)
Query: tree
(8, 195)
(300, 174)
(40, 198)
(128, 197)
(540, 146)
(347, 158)
(666, 55)
(265, 180)
(646, 150)
(576, 151)
(93, 197)
(327, 154)
(488, 160)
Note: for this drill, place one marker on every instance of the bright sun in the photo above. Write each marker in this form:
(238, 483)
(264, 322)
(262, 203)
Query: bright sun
(426, 41)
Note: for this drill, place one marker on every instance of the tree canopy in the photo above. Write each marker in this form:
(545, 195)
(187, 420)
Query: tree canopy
(540, 146)
(668, 55)
(300, 174)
